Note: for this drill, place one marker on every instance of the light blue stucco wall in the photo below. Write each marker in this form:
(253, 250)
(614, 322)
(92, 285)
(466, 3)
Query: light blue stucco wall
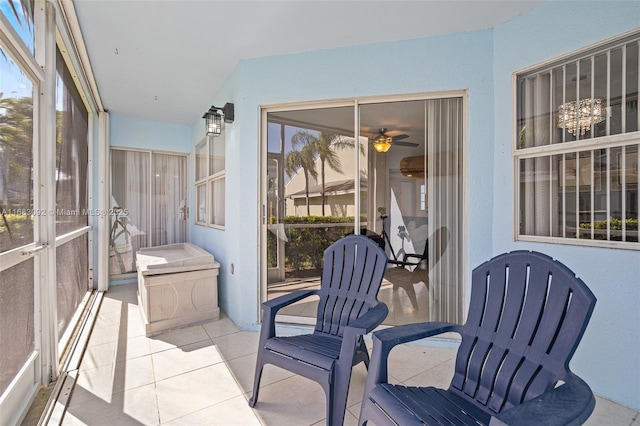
(608, 357)
(481, 62)
(451, 63)
(128, 132)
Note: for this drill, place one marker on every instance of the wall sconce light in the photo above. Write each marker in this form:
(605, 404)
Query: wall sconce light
(213, 118)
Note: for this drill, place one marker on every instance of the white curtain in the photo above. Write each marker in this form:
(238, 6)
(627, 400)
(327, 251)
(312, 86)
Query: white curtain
(129, 192)
(151, 190)
(536, 172)
(444, 179)
(169, 200)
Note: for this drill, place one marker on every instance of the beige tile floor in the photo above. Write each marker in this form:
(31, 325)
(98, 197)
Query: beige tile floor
(202, 375)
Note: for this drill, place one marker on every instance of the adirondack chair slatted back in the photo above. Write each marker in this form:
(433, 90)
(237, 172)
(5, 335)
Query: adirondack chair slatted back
(353, 270)
(527, 315)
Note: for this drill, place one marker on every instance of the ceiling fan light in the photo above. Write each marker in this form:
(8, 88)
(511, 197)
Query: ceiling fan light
(382, 143)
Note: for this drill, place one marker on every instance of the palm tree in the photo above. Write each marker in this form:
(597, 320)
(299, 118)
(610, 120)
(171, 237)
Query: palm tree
(325, 147)
(16, 161)
(303, 158)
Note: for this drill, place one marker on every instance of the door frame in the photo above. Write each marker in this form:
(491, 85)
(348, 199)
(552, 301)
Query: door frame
(356, 103)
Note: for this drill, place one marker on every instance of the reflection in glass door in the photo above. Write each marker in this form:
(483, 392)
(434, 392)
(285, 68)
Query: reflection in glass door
(414, 190)
(310, 196)
(410, 200)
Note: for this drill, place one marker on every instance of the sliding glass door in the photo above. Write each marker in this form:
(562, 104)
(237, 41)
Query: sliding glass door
(310, 200)
(148, 195)
(320, 184)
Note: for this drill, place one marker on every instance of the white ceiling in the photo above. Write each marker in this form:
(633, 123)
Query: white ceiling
(165, 60)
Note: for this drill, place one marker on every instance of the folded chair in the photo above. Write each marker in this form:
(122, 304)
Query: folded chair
(527, 315)
(348, 308)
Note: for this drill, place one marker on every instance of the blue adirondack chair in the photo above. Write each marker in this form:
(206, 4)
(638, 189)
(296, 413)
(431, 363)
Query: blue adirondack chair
(527, 315)
(348, 308)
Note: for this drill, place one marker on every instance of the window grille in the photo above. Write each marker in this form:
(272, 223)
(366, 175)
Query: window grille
(576, 147)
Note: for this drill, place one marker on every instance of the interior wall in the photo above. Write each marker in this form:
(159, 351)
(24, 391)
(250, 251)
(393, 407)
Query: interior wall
(607, 357)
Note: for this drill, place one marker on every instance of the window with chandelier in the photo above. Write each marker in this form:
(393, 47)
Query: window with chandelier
(576, 147)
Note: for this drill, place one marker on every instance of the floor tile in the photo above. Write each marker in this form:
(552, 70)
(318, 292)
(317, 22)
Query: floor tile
(176, 361)
(243, 370)
(108, 353)
(190, 392)
(611, 414)
(236, 345)
(439, 376)
(291, 402)
(109, 379)
(220, 327)
(176, 338)
(406, 361)
(132, 407)
(233, 412)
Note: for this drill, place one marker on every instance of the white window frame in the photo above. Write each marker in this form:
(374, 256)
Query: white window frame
(49, 359)
(208, 181)
(609, 142)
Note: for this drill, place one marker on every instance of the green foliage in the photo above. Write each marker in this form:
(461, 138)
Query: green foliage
(600, 227)
(616, 224)
(15, 230)
(306, 244)
(16, 156)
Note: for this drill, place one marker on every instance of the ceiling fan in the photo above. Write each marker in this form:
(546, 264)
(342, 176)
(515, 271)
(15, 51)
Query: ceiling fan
(382, 142)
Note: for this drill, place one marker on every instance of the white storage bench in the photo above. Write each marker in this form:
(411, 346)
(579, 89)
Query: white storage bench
(177, 286)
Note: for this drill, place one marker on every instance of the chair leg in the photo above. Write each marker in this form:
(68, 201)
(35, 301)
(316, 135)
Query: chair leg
(362, 355)
(328, 392)
(411, 293)
(256, 381)
(404, 278)
(342, 378)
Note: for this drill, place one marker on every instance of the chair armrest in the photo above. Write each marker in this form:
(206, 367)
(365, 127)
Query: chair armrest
(361, 326)
(405, 261)
(385, 340)
(366, 323)
(271, 307)
(397, 262)
(393, 336)
(412, 255)
(280, 302)
(569, 404)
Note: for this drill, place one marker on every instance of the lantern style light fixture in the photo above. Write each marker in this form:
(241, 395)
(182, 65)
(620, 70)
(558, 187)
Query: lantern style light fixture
(213, 118)
(579, 116)
(382, 143)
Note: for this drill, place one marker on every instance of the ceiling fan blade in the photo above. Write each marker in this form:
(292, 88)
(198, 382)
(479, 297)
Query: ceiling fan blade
(399, 137)
(407, 143)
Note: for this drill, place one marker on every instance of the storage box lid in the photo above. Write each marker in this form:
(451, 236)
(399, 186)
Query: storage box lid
(172, 258)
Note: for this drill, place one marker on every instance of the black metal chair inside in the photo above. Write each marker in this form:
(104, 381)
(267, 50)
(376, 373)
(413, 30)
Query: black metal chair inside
(348, 309)
(527, 315)
(402, 276)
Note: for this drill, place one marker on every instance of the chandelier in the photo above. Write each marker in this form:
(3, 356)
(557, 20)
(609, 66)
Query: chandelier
(579, 116)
